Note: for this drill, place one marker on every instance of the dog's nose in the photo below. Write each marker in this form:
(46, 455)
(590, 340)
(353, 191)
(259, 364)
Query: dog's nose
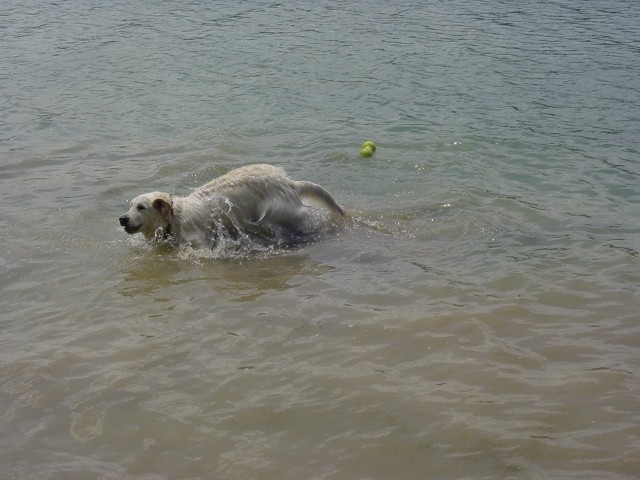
(124, 220)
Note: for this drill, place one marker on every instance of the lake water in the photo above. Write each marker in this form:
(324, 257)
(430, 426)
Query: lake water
(477, 317)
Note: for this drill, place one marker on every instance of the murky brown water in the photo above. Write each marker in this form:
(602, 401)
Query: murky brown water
(477, 317)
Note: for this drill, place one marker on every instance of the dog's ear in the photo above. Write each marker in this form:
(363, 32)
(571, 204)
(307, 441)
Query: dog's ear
(163, 205)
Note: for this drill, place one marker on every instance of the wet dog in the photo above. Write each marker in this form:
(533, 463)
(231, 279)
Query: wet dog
(258, 201)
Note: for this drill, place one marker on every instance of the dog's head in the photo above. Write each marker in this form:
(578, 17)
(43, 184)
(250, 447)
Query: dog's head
(149, 214)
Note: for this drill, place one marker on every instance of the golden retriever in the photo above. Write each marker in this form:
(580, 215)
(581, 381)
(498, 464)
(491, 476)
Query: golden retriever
(258, 201)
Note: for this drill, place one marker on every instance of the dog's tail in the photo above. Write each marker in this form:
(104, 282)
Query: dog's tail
(310, 189)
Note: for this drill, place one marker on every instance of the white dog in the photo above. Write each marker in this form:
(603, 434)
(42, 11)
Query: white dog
(259, 201)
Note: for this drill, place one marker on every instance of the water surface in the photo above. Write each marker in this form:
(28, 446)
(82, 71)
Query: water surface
(476, 316)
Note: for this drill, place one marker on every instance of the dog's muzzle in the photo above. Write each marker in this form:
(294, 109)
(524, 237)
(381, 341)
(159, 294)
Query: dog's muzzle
(124, 221)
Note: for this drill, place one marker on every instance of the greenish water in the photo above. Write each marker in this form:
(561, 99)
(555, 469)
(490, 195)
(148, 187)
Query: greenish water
(476, 317)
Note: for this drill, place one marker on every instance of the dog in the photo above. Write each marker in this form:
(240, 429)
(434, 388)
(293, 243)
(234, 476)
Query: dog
(257, 201)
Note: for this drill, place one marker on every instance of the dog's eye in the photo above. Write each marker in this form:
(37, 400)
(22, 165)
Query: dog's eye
(140, 207)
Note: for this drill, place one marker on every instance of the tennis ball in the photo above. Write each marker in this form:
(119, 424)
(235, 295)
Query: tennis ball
(366, 151)
(369, 143)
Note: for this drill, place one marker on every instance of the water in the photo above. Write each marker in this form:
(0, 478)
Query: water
(476, 317)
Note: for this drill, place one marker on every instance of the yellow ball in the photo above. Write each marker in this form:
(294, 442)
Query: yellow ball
(366, 151)
(370, 144)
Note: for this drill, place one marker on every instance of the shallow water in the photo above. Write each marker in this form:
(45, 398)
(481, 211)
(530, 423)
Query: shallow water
(475, 317)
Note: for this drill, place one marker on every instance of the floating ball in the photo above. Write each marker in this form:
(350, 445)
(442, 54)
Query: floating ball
(369, 143)
(366, 151)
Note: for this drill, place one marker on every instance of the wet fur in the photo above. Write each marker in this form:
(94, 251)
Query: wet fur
(256, 200)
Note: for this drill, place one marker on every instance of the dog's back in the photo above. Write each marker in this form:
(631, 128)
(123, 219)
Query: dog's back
(256, 189)
(244, 177)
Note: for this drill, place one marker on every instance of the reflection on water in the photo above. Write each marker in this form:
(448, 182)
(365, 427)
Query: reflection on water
(246, 279)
